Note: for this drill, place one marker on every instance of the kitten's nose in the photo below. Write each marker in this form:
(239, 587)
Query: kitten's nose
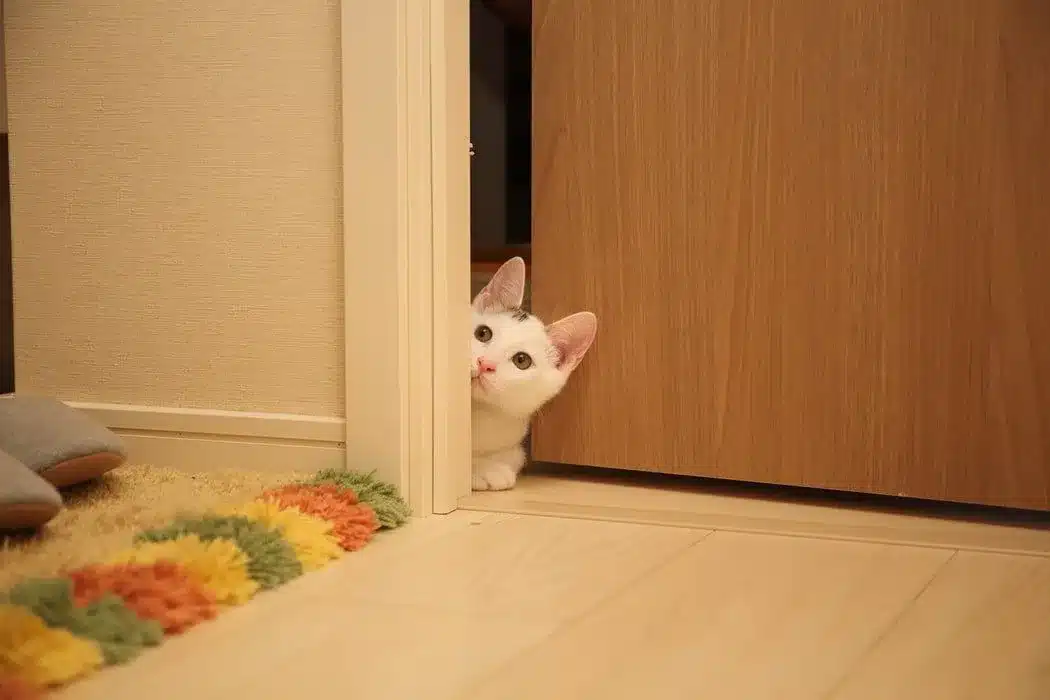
(485, 367)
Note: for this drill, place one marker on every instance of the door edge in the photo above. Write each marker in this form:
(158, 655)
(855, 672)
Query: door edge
(406, 227)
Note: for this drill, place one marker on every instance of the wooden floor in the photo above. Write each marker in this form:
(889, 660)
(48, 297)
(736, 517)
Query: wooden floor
(709, 504)
(497, 606)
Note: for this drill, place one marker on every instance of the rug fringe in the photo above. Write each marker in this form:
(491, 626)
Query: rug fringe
(57, 630)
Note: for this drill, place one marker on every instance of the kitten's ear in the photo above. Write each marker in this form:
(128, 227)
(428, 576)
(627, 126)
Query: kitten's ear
(505, 290)
(572, 337)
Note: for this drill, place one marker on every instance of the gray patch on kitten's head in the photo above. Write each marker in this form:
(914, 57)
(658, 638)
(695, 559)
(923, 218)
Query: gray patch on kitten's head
(519, 314)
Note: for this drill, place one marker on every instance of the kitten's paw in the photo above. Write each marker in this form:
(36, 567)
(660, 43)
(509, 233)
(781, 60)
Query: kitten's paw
(494, 477)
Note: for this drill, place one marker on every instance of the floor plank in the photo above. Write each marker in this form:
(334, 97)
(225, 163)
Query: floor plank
(739, 616)
(323, 649)
(980, 630)
(548, 567)
(730, 507)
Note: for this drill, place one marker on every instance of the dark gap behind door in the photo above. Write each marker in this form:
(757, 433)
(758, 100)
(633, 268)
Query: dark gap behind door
(7, 321)
(501, 130)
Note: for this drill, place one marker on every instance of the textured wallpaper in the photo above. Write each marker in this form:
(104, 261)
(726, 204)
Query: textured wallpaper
(176, 202)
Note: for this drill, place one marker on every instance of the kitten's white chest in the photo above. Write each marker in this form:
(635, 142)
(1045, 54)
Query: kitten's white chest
(492, 431)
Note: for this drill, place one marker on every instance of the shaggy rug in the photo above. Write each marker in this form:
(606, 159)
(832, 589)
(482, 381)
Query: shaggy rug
(144, 553)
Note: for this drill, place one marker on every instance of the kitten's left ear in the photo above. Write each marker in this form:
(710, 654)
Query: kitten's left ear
(572, 337)
(506, 289)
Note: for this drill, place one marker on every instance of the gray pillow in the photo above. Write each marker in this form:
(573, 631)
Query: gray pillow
(61, 444)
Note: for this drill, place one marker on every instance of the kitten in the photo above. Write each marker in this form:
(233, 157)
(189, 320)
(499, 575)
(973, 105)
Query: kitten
(518, 364)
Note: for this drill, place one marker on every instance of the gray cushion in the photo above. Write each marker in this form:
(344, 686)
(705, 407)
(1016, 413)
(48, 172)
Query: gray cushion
(26, 500)
(59, 443)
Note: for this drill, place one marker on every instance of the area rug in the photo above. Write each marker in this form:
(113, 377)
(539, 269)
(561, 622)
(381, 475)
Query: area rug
(147, 553)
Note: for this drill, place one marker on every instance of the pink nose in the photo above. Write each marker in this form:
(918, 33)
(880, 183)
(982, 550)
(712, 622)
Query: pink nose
(485, 367)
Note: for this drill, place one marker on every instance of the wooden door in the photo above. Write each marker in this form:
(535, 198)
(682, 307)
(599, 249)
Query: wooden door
(816, 234)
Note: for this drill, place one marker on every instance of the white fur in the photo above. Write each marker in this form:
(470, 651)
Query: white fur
(504, 400)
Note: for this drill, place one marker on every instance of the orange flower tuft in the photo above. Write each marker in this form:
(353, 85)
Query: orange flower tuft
(162, 591)
(353, 523)
(13, 688)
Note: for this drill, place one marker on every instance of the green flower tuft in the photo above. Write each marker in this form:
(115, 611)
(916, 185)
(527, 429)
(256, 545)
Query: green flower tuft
(391, 510)
(118, 631)
(271, 559)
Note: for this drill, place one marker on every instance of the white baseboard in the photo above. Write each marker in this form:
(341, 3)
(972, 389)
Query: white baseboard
(210, 440)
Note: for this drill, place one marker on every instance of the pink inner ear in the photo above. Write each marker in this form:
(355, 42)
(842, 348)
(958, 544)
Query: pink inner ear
(572, 337)
(505, 290)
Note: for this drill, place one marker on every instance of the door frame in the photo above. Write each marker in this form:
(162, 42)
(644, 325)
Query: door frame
(406, 219)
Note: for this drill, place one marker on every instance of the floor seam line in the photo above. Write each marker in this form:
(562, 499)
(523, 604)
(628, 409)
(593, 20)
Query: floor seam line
(573, 620)
(893, 624)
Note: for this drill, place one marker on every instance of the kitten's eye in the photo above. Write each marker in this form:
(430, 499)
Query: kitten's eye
(521, 360)
(483, 333)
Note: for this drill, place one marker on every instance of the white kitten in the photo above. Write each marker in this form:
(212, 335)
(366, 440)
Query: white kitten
(518, 364)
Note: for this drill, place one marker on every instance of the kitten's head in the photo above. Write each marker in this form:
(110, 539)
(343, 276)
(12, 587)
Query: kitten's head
(518, 364)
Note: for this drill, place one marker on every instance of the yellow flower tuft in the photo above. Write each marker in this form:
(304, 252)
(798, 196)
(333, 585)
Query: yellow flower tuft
(310, 537)
(218, 564)
(40, 655)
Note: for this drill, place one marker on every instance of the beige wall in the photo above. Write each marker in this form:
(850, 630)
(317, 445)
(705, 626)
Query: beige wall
(176, 202)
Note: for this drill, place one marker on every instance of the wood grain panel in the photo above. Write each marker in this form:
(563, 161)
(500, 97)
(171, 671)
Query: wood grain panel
(816, 235)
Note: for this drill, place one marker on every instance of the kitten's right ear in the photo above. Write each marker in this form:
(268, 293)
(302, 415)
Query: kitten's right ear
(506, 289)
(571, 337)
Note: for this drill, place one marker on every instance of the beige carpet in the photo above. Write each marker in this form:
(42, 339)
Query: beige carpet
(101, 517)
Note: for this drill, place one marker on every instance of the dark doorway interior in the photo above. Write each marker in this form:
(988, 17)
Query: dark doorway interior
(7, 321)
(7, 317)
(501, 129)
